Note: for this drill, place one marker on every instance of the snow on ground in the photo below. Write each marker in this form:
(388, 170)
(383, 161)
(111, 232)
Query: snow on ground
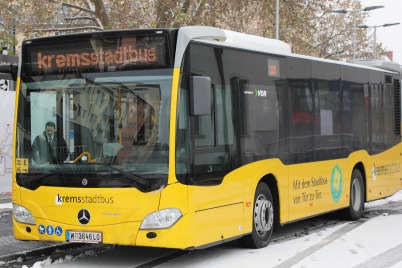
(359, 245)
(6, 206)
(396, 197)
(273, 255)
(367, 244)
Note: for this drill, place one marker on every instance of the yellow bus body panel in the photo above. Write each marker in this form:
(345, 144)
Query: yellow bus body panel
(117, 212)
(384, 176)
(16, 197)
(179, 235)
(218, 210)
(319, 187)
(252, 174)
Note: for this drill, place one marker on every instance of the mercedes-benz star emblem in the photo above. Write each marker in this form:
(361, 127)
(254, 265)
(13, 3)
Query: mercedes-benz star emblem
(84, 182)
(84, 216)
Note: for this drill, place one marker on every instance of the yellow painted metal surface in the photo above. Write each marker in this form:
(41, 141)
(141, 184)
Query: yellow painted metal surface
(172, 138)
(179, 235)
(17, 88)
(384, 177)
(218, 224)
(318, 187)
(16, 198)
(252, 175)
(218, 210)
(106, 205)
(116, 212)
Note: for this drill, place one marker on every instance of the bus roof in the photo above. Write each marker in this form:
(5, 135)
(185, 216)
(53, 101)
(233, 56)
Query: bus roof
(227, 38)
(382, 64)
(232, 39)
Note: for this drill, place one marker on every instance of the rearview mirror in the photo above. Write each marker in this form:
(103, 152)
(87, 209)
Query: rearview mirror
(200, 95)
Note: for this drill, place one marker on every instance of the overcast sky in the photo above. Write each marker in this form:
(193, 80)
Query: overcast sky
(391, 36)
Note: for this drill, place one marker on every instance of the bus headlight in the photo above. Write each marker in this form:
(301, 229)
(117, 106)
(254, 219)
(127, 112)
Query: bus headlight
(23, 215)
(161, 219)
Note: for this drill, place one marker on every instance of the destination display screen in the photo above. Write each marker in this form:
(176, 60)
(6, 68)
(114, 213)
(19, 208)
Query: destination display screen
(84, 55)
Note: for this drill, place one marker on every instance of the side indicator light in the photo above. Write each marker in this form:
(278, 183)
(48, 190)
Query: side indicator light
(151, 235)
(248, 204)
(311, 204)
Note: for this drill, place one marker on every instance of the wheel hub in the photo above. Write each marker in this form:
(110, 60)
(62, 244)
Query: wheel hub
(263, 215)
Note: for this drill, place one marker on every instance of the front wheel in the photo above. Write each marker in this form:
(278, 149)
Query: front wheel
(263, 219)
(356, 205)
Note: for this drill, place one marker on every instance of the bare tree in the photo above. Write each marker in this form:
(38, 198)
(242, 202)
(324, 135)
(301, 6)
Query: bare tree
(81, 15)
(305, 24)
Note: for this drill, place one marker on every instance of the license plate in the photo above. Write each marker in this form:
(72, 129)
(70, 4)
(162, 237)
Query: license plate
(84, 236)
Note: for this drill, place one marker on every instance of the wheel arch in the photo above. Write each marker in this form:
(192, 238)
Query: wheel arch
(272, 183)
(360, 166)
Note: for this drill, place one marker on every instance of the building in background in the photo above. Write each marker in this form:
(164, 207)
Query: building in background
(6, 80)
(7, 104)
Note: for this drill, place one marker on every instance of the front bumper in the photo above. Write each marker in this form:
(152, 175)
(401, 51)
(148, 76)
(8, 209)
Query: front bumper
(128, 233)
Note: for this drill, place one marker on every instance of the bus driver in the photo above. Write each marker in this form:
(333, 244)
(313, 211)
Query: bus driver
(50, 147)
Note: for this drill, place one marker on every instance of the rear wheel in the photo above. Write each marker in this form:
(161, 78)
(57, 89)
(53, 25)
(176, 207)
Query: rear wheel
(263, 219)
(356, 205)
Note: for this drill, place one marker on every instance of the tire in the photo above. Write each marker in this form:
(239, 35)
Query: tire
(263, 219)
(356, 203)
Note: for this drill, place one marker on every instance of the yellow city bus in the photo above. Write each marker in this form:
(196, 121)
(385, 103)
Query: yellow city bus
(187, 138)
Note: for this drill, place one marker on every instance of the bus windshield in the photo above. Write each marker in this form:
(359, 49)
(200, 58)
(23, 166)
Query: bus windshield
(99, 129)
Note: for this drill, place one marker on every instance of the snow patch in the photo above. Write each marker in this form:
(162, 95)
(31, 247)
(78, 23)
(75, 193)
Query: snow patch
(363, 243)
(6, 206)
(394, 198)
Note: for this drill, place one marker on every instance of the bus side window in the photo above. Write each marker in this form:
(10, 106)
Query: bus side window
(302, 121)
(213, 134)
(302, 117)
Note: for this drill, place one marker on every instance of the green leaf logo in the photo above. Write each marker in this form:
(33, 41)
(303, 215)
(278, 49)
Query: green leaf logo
(336, 183)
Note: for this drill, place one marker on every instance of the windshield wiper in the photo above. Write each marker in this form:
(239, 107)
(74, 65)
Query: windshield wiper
(135, 178)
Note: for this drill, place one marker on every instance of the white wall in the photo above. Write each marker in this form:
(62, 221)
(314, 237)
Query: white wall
(7, 103)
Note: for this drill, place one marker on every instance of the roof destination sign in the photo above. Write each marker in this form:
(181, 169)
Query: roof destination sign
(123, 55)
(98, 55)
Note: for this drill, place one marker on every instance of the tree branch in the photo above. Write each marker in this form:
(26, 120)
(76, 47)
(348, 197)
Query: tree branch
(101, 15)
(79, 18)
(335, 53)
(69, 29)
(79, 8)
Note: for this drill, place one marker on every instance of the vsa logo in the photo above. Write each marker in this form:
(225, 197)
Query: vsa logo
(260, 93)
